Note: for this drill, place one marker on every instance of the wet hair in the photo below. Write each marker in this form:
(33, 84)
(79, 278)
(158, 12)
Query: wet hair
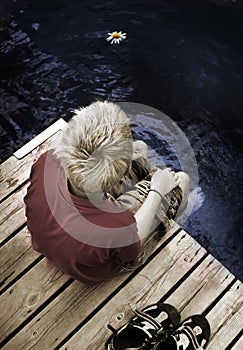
(96, 147)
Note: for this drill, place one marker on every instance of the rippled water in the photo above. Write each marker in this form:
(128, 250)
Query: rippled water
(185, 60)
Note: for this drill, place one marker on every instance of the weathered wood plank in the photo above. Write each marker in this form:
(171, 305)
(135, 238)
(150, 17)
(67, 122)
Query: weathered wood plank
(201, 288)
(193, 296)
(14, 172)
(238, 345)
(15, 256)
(226, 318)
(70, 308)
(26, 295)
(12, 213)
(20, 172)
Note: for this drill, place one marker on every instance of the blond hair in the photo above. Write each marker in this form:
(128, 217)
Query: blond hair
(95, 149)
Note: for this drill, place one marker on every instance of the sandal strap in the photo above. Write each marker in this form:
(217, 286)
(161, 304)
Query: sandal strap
(148, 318)
(190, 334)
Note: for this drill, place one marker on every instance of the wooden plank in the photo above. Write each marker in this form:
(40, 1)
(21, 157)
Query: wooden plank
(74, 304)
(20, 172)
(201, 288)
(40, 138)
(26, 295)
(226, 318)
(238, 345)
(14, 172)
(210, 278)
(12, 213)
(15, 256)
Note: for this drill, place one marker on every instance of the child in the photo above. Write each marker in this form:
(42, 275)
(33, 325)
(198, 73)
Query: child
(69, 208)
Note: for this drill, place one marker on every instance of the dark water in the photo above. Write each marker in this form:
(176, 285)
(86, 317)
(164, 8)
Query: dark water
(185, 60)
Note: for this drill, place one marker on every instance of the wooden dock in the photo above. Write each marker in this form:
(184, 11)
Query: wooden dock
(41, 308)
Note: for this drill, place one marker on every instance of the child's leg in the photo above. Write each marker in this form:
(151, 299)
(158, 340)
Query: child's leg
(141, 165)
(177, 199)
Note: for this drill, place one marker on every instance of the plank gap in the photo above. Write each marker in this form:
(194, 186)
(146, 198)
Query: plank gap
(22, 184)
(33, 264)
(152, 255)
(216, 300)
(239, 335)
(5, 240)
(184, 277)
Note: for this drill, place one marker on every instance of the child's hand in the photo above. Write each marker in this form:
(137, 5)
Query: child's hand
(140, 150)
(164, 180)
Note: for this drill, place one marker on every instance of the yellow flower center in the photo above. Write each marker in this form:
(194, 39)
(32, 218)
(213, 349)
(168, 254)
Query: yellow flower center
(116, 35)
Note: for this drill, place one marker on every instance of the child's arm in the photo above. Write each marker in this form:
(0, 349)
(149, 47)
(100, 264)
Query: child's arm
(162, 182)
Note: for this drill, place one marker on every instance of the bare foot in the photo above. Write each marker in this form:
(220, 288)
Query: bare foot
(195, 200)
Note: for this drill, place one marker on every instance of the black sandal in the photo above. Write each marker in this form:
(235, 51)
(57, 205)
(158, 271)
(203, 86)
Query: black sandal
(192, 334)
(145, 328)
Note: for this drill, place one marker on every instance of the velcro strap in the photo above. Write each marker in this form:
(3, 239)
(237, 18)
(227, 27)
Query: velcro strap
(148, 318)
(192, 337)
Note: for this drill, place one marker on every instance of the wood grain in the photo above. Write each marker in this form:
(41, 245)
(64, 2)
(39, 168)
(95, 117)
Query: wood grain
(12, 213)
(19, 171)
(25, 296)
(226, 318)
(201, 288)
(15, 256)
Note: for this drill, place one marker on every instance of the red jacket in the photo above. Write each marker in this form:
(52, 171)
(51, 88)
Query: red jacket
(88, 241)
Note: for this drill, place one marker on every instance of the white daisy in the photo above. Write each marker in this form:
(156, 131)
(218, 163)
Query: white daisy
(116, 37)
